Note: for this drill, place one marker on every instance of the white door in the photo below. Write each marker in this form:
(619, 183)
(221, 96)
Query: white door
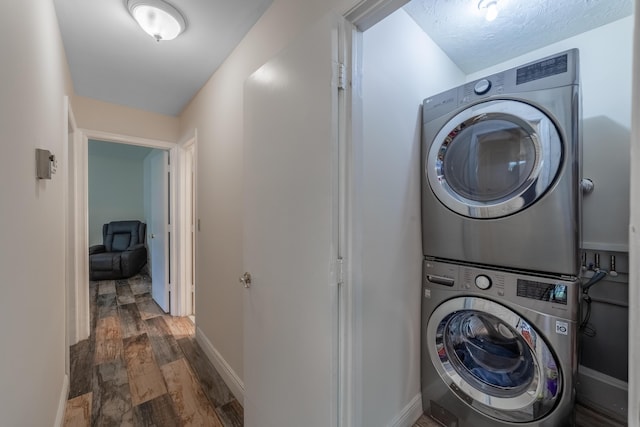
(158, 227)
(291, 234)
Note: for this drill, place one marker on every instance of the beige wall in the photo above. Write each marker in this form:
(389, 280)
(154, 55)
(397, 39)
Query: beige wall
(216, 112)
(102, 116)
(34, 81)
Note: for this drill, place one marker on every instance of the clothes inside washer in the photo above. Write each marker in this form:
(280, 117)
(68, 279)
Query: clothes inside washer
(489, 353)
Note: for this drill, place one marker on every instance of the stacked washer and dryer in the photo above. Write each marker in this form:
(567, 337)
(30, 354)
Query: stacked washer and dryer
(501, 163)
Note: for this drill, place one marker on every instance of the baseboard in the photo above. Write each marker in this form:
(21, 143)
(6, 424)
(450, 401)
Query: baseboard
(602, 392)
(229, 376)
(62, 403)
(409, 414)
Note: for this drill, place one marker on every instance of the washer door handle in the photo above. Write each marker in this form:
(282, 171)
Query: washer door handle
(440, 280)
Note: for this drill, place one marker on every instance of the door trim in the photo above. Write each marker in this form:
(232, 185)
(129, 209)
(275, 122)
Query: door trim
(361, 16)
(184, 305)
(81, 206)
(72, 317)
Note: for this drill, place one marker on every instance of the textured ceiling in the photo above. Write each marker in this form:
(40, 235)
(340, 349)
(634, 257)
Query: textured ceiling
(473, 43)
(111, 59)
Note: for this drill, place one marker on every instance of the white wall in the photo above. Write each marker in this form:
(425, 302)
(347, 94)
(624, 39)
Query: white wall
(605, 74)
(106, 117)
(401, 66)
(116, 185)
(32, 308)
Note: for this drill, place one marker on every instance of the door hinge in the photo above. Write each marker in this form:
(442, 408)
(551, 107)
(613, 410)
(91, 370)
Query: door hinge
(342, 77)
(340, 271)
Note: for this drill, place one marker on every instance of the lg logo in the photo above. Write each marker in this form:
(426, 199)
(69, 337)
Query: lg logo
(562, 328)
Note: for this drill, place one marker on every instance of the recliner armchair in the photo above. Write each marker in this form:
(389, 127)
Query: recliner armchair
(122, 253)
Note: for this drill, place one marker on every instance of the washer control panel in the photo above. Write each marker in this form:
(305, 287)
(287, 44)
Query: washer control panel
(552, 292)
(553, 295)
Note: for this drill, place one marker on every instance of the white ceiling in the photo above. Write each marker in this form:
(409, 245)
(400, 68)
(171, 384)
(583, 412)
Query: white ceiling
(113, 60)
(473, 43)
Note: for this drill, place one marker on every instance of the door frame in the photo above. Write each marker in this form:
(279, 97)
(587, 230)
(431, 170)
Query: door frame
(361, 16)
(72, 319)
(79, 165)
(187, 208)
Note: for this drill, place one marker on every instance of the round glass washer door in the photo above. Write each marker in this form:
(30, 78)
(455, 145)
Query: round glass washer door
(493, 359)
(494, 159)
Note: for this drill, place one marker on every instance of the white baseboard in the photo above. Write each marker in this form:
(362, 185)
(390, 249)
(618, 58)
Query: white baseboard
(229, 376)
(62, 403)
(602, 392)
(409, 414)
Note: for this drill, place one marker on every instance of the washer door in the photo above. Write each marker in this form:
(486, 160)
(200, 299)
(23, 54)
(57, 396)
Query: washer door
(493, 359)
(494, 159)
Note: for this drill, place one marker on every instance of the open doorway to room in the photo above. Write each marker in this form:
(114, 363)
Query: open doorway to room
(131, 183)
(175, 245)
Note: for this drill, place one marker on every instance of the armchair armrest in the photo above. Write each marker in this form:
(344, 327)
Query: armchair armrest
(97, 249)
(135, 247)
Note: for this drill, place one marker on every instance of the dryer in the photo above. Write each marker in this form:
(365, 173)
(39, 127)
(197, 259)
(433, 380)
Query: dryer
(498, 348)
(501, 169)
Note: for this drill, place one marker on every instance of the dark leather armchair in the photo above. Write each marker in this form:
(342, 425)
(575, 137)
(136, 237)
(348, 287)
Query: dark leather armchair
(122, 253)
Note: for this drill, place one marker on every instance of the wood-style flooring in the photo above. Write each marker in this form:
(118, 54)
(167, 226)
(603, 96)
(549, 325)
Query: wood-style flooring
(142, 367)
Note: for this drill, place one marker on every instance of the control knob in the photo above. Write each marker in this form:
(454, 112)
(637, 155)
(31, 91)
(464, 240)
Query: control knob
(482, 87)
(483, 282)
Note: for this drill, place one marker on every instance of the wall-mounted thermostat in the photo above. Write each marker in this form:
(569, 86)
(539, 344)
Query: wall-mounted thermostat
(45, 164)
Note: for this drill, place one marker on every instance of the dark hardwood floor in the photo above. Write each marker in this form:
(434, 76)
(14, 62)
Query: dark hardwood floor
(141, 367)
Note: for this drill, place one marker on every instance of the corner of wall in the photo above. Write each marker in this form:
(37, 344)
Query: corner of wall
(229, 376)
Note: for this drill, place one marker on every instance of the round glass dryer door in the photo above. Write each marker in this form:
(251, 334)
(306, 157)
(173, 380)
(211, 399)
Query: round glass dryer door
(494, 159)
(494, 358)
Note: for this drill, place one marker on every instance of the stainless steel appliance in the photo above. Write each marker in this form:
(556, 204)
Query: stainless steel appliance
(498, 348)
(501, 169)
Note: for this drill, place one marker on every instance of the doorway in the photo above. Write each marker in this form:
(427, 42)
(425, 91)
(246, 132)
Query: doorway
(383, 195)
(79, 166)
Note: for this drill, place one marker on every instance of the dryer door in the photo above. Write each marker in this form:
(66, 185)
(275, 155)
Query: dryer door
(494, 159)
(493, 359)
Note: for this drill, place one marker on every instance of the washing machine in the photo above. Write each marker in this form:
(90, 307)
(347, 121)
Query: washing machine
(501, 174)
(498, 347)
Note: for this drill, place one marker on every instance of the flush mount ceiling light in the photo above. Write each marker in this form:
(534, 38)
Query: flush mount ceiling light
(490, 8)
(157, 18)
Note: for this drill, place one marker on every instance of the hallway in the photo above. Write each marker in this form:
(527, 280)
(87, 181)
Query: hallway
(141, 367)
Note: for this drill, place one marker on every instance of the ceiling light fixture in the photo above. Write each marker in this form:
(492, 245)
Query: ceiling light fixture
(490, 8)
(157, 18)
